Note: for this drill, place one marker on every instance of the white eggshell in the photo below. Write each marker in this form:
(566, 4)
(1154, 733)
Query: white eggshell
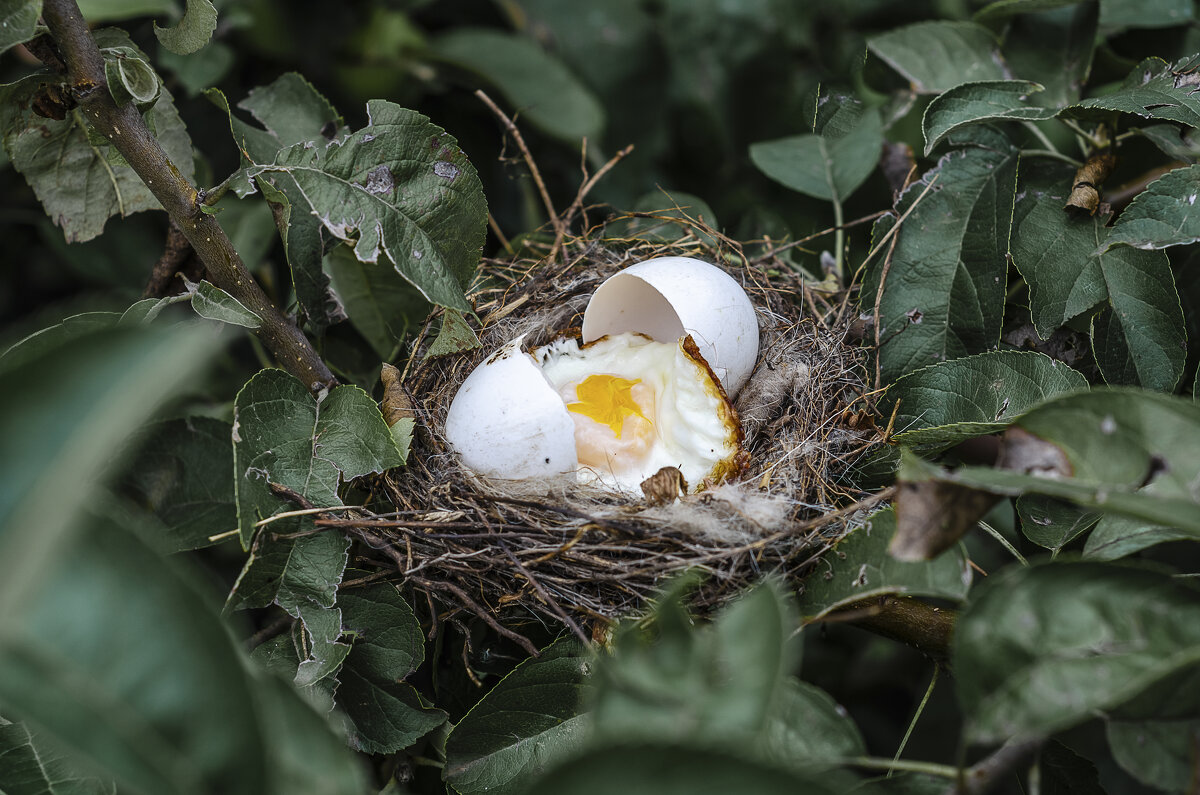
(508, 422)
(667, 297)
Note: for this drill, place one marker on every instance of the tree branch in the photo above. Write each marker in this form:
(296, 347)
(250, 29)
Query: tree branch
(924, 627)
(127, 130)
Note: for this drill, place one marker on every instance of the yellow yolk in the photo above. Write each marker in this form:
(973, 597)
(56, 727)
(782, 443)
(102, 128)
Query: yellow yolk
(612, 426)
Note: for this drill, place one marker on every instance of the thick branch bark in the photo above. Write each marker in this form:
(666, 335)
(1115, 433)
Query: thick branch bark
(128, 132)
(910, 621)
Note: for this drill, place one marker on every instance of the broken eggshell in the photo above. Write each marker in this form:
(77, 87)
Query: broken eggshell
(666, 298)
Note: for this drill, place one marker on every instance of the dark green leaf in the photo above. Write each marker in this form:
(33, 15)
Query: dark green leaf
(536, 84)
(824, 166)
(183, 472)
(291, 111)
(1070, 266)
(215, 304)
(193, 31)
(669, 204)
(972, 103)
(378, 301)
(944, 294)
(1164, 214)
(402, 191)
(860, 567)
(948, 402)
(283, 435)
(78, 186)
(806, 727)
(1064, 772)
(1055, 48)
(30, 765)
(1121, 14)
(42, 342)
(18, 21)
(454, 336)
(200, 70)
(1154, 90)
(1052, 523)
(659, 769)
(111, 10)
(937, 56)
(1178, 143)
(1043, 648)
(530, 720)
(1118, 536)
(130, 78)
(1161, 754)
(388, 646)
(1003, 9)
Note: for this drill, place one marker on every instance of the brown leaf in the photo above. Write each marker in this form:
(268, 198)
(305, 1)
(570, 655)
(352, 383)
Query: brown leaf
(1021, 451)
(1085, 191)
(396, 403)
(664, 486)
(931, 516)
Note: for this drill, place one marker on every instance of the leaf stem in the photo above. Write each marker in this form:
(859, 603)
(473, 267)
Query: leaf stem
(904, 766)
(124, 126)
(937, 668)
(839, 238)
(1041, 136)
(994, 533)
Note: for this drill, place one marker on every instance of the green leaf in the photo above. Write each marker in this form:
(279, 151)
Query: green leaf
(823, 166)
(656, 768)
(291, 111)
(388, 646)
(1070, 266)
(536, 84)
(130, 78)
(454, 336)
(381, 305)
(937, 56)
(944, 294)
(1155, 89)
(1161, 754)
(402, 191)
(18, 22)
(973, 103)
(193, 31)
(949, 402)
(807, 728)
(1118, 536)
(200, 70)
(45, 340)
(215, 304)
(28, 764)
(1043, 648)
(1164, 214)
(1054, 47)
(1052, 523)
(1003, 9)
(530, 720)
(78, 186)
(1121, 14)
(183, 472)
(668, 204)
(860, 567)
(285, 436)
(112, 10)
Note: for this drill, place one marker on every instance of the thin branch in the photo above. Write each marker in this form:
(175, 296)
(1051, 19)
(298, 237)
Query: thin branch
(175, 254)
(914, 623)
(127, 130)
(987, 773)
(584, 190)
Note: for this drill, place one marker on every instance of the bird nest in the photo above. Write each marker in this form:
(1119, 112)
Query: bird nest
(504, 550)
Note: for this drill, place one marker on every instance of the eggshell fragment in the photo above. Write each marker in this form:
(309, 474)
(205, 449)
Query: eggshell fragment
(506, 421)
(668, 297)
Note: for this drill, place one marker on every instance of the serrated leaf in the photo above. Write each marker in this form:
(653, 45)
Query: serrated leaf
(18, 21)
(1070, 265)
(860, 567)
(291, 111)
(1118, 536)
(973, 103)
(1043, 648)
(949, 402)
(183, 473)
(1164, 214)
(388, 646)
(824, 166)
(78, 186)
(402, 192)
(531, 719)
(1155, 89)
(381, 305)
(283, 435)
(1052, 523)
(454, 336)
(937, 56)
(944, 294)
(1160, 754)
(536, 84)
(214, 303)
(1178, 143)
(28, 764)
(1054, 47)
(193, 31)
(1118, 15)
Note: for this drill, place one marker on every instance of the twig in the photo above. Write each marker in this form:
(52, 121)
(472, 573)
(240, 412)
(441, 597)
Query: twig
(546, 598)
(559, 227)
(584, 190)
(127, 130)
(761, 258)
(468, 603)
(175, 253)
(887, 266)
(986, 774)
(909, 621)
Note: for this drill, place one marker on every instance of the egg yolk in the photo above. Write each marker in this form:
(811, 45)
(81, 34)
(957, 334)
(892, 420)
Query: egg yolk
(613, 430)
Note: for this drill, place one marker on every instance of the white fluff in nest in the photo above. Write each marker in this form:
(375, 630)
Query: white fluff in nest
(730, 514)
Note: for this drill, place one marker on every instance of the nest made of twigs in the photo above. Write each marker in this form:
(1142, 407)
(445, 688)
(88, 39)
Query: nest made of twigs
(556, 549)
